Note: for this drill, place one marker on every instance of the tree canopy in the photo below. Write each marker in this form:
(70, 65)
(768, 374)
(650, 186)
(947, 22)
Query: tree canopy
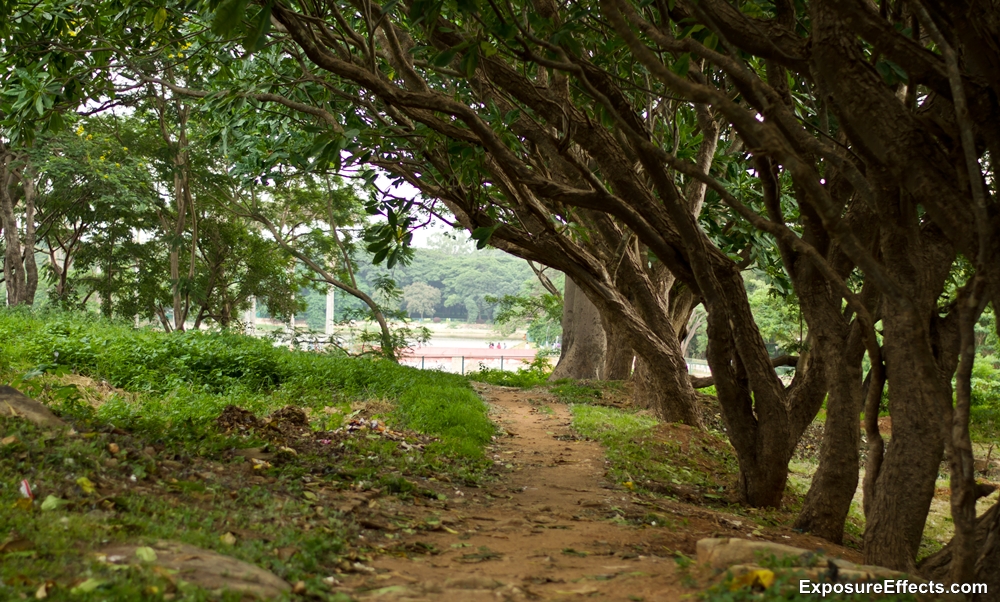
(650, 151)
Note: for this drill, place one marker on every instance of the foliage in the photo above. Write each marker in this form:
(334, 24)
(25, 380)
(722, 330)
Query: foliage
(535, 374)
(985, 403)
(421, 298)
(188, 378)
(643, 457)
(160, 394)
(457, 415)
(776, 314)
(540, 312)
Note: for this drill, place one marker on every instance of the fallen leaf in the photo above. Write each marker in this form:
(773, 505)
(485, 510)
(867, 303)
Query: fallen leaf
(86, 485)
(299, 588)
(16, 543)
(228, 538)
(53, 503)
(42, 592)
(145, 554)
(23, 504)
(113, 448)
(87, 586)
(762, 578)
(9, 440)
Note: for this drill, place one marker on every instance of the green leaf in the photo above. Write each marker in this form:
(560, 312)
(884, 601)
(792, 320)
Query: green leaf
(53, 503)
(87, 586)
(40, 104)
(257, 36)
(443, 58)
(228, 16)
(159, 19)
(682, 64)
(487, 48)
(56, 123)
(469, 63)
(145, 554)
(377, 259)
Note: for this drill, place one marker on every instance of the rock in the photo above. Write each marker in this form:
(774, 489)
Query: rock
(15, 403)
(722, 553)
(203, 568)
(740, 557)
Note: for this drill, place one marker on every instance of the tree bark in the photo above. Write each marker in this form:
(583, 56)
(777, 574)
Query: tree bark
(828, 501)
(583, 341)
(905, 484)
(13, 269)
(618, 357)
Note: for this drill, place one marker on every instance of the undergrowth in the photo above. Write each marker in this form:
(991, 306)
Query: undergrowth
(534, 375)
(668, 459)
(175, 475)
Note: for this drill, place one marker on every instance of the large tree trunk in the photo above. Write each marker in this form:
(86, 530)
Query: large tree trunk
(15, 278)
(30, 265)
(828, 501)
(583, 341)
(905, 484)
(618, 356)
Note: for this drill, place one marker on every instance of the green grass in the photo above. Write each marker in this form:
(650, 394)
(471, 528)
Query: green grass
(169, 390)
(457, 415)
(640, 454)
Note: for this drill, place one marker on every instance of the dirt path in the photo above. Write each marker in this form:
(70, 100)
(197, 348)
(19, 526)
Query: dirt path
(548, 531)
(552, 528)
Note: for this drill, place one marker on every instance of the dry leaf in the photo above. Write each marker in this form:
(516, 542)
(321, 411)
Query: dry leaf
(16, 543)
(8, 440)
(113, 448)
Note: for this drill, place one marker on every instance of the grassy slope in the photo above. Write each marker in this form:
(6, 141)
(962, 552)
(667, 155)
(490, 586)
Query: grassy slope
(175, 475)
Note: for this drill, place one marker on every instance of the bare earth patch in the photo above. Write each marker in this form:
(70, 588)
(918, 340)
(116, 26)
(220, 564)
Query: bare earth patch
(552, 528)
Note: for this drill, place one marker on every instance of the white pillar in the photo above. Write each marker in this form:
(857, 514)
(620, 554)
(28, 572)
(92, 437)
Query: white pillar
(330, 308)
(250, 317)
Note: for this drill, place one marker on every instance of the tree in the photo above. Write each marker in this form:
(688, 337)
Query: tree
(421, 298)
(652, 152)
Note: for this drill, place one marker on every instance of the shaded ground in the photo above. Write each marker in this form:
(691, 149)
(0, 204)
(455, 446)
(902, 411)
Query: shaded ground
(551, 528)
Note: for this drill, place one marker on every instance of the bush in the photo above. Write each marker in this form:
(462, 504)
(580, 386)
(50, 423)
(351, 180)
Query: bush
(534, 375)
(181, 381)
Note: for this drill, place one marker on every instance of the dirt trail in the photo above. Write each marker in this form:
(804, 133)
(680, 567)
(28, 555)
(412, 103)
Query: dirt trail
(551, 529)
(541, 533)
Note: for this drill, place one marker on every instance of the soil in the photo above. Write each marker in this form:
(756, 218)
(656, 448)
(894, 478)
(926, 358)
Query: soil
(551, 528)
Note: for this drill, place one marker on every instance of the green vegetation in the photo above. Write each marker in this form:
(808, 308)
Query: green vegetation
(984, 424)
(534, 375)
(784, 587)
(667, 459)
(154, 460)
